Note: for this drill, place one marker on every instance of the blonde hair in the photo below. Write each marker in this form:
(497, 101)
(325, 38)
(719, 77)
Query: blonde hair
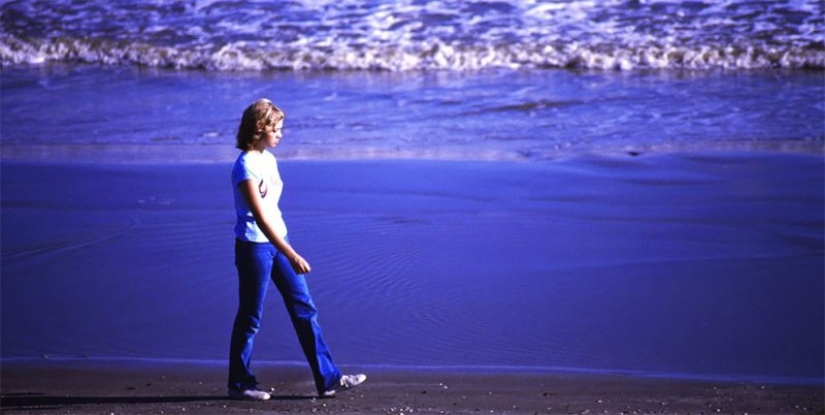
(258, 119)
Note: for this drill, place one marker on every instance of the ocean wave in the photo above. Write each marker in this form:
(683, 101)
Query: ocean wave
(417, 35)
(436, 55)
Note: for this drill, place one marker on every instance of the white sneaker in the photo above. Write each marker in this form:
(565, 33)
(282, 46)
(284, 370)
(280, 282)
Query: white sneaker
(249, 395)
(346, 382)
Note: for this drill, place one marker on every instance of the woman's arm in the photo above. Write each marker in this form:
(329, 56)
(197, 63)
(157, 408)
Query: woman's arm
(251, 195)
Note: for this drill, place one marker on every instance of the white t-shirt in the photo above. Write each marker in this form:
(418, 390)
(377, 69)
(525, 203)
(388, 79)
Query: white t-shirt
(262, 168)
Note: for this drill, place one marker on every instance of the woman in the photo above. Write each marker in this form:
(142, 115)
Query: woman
(263, 252)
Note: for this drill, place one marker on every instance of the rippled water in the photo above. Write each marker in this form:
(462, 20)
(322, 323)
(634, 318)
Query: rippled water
(126, 114)
(699, 266)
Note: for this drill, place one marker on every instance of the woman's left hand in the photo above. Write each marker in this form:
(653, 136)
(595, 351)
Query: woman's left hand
(299, 264)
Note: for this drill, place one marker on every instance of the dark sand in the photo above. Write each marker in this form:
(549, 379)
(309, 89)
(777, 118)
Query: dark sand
(88, 387)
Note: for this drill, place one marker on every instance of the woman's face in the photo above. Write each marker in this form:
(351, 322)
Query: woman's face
(272, 138)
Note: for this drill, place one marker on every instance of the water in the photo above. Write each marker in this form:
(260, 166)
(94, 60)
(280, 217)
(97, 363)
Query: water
(410, 79)
(417, 34)
(700, 266)
(129, 114)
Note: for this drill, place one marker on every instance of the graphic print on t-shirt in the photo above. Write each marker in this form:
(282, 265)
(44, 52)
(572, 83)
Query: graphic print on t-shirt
(262, 187)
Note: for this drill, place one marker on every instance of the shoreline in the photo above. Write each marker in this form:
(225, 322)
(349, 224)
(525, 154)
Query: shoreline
(104, 361)
(203, 154)
(140, 387)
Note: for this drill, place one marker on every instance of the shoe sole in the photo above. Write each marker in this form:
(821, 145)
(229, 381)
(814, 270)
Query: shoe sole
(250, 398)
(332, 392)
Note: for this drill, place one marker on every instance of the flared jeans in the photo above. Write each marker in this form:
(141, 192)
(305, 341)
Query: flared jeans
(257, 264)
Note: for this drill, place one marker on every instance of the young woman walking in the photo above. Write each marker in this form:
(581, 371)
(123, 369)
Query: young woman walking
(263, 253)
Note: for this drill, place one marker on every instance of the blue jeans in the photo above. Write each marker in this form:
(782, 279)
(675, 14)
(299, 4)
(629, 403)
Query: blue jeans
(257, 263)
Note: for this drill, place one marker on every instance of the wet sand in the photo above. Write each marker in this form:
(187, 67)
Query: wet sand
(516, 279)
(77, 387)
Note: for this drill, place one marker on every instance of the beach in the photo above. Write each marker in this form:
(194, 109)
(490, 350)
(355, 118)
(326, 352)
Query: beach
(192, 388)
(554, 207)
(654, 283)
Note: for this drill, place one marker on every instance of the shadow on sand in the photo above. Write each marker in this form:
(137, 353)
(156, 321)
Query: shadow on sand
(28, 400)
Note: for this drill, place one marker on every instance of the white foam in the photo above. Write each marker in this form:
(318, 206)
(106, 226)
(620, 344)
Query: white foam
(428, 35)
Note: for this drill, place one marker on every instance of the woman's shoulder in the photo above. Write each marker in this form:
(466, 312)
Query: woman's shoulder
(245, 165)
(247, 158)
